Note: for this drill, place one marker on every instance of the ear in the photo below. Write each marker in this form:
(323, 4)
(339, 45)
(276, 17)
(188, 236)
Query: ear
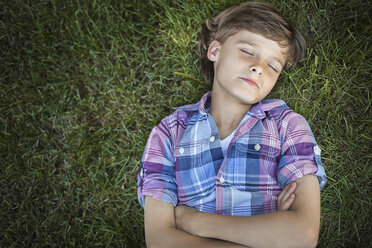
(213, 51)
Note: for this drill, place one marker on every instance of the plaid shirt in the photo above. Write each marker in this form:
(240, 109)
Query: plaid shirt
(183, 161)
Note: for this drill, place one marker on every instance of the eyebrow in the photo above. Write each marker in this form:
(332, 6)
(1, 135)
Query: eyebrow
(255, 45)
(247, 42)
(278, 60)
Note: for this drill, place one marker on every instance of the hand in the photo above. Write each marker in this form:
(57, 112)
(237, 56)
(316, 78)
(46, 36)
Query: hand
(286, 197)
(186, 219)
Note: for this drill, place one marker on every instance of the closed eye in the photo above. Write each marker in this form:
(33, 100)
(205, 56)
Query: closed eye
(271, 67)
(244, 51)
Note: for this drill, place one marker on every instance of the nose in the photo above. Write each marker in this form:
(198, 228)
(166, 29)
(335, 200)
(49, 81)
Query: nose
(256, 69)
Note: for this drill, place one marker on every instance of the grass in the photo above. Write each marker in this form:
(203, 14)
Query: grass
(83, 83)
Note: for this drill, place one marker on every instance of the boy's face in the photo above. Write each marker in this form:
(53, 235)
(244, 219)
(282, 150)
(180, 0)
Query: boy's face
(247, 66)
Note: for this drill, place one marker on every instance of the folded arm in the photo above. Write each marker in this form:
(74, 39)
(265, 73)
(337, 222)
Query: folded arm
(161, 231)
(297, 227)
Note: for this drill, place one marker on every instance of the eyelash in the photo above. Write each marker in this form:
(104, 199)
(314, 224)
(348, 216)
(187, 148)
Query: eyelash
(247, 52)
(273, 68)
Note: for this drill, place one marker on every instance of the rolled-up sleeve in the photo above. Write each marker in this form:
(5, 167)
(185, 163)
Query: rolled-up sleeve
(300, 154)
(156, 177)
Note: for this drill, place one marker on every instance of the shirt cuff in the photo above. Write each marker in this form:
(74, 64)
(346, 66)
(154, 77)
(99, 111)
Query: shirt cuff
(157, 188)
(165, 196)
(296, 170)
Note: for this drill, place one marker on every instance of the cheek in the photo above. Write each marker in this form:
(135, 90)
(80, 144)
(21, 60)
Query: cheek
(225, 66)
(244, 60)
(271, 76)
(270, 82)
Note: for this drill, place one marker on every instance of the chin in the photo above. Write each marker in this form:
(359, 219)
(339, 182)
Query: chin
(246, 98)
(249, 101)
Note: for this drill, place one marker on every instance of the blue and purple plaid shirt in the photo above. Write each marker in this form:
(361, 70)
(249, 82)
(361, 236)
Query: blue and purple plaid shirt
(183, 161)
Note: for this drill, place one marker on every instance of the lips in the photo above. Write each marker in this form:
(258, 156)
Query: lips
(250, 81)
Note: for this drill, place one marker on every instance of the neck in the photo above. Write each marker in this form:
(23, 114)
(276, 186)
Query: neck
(226, 111)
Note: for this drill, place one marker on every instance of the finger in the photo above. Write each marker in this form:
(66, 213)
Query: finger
(283, 192)
(287, 204)
(286, 191)
(290, 191)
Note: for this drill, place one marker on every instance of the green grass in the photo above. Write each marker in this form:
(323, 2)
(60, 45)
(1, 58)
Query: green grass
(83, 82)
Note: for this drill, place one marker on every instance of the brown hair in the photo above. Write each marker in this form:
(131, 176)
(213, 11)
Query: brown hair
(256, 17)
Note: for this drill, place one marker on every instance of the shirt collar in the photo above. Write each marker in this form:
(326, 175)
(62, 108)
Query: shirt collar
(202, 106)
(259, 109)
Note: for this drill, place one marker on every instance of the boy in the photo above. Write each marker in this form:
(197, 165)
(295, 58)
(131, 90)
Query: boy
(213, 173)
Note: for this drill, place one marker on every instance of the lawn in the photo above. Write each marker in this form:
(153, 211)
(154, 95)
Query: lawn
(83, 83)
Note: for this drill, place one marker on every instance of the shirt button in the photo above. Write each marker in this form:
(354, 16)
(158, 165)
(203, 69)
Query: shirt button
(257, 147)
(222, 180)
(212, 138)
(317, 150)
(182, 150)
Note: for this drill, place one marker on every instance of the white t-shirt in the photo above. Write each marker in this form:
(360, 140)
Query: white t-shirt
(225, 142)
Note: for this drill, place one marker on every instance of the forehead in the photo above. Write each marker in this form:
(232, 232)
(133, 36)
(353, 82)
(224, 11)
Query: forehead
(260, 42)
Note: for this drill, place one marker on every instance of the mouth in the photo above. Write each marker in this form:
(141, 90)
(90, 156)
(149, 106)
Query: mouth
(250, 82)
